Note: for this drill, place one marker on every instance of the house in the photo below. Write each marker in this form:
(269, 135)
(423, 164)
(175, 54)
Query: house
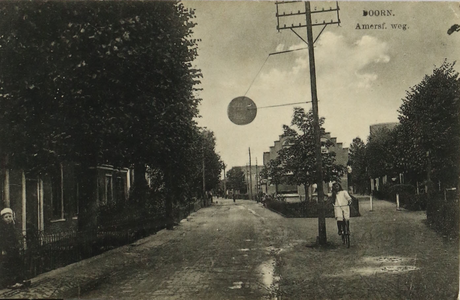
(296, 193)
(49, 203)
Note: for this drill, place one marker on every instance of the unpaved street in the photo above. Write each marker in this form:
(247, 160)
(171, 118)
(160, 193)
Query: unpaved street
(221, 252)
(244, 251)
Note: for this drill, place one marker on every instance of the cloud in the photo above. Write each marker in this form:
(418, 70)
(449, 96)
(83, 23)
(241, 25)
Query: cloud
(347, 75)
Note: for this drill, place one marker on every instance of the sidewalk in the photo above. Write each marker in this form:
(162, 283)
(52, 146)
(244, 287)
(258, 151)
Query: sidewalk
(77, 278)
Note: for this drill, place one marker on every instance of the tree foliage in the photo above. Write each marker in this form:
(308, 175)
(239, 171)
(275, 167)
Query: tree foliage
(275, 172)
(358, 163)
(211, 160)
(99, 82)
(297, 157)
(235, 180)
(429, 118)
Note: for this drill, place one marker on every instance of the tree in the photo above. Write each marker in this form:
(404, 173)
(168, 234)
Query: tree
(203, 156)
(379, 153)
(275, 173)
(358, 163)
(429, 116)
(97, 82)
(212, 161)
(235, 180)
(298, 156)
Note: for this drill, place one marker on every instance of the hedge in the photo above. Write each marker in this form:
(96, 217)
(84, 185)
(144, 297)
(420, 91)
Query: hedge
(308, 209)
(443, 215)
(407, 197)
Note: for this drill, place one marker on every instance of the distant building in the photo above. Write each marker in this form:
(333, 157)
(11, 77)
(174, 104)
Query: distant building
(298, 192)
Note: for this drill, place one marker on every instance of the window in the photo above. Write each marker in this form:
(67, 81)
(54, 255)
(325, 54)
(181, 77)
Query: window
(108, 189)
(120, 189)
(57, 195)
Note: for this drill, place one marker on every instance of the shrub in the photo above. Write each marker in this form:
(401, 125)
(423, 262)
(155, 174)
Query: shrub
(308, 209)
(443, 215)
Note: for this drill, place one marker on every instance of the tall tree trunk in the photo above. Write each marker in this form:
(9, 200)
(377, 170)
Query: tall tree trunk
(87, 209)
(306, 191)
(87, 202)
(169, 200)
(140, 186)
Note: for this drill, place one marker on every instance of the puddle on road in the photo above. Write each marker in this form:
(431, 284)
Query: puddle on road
(269, 279)
(273, 250)
(366, 271)
(236, 285)
(387, 259)
(243, 250)
(373, 265)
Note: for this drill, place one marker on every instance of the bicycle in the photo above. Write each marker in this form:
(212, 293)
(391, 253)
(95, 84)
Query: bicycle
(345, 228)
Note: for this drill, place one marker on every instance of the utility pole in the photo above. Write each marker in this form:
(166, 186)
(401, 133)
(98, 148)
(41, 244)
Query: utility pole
(250, 175)
(257, 181)
(247, 180)
(225, 181)
(204, 177)
(322, 238)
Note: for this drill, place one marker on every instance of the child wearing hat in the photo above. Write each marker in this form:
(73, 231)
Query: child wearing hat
(11, 263)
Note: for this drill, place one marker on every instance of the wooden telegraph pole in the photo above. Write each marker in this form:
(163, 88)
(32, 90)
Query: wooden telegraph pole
(322, 239)
(250, 176)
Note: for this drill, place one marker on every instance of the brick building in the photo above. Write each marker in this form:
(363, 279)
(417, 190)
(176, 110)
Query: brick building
(296, 193)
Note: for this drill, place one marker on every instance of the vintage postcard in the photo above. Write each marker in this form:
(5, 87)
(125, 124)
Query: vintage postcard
(229, 149)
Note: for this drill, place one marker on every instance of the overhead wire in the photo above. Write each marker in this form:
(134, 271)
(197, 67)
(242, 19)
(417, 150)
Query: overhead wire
(279, 41)
(256, 75)
(263, 64)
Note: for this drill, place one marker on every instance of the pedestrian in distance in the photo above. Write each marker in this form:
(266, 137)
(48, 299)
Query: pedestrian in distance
(234, 197)
(12, 268)
(342, 201)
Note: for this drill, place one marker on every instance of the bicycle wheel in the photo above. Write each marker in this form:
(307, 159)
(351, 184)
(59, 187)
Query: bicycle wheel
(347, 240)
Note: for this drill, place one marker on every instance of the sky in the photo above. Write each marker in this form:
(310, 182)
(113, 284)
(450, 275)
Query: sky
(362, 74)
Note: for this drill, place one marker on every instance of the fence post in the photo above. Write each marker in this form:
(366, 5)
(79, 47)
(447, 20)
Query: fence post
(371, 202)
(397, 202)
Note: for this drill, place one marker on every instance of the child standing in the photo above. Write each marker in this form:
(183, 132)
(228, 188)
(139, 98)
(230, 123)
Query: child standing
(11, 263)
(342, 202)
